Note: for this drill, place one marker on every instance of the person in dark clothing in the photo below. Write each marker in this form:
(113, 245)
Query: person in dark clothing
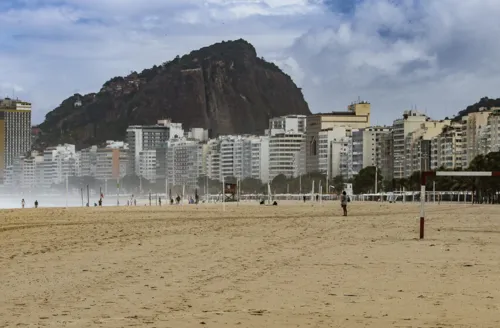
(36, 204)
(343, 202)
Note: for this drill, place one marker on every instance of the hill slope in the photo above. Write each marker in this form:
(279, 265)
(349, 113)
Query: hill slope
(224, 87)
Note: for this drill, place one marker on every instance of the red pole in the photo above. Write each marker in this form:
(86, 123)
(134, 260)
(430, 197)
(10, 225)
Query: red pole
(422, 221)
(423, 182)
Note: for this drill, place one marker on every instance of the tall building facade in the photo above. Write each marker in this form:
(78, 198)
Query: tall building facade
(410, 122)
(367, 147)
(418, 146)
(357, 116)
(184, 163)
(448, 148)
(285, 152)
(149, 137)
(237, 156)
(15, 131)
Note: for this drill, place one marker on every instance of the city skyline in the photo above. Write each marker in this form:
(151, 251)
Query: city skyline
(397, 54)
(339, 144)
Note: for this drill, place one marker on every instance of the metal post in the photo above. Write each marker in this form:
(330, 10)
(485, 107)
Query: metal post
(117, 192)
(67, 190)
(81, 193)
(223, 195)
(434, 191)
(422, 210)
(88, 196)
(183, 192)
(206, 189)
(167, 199)
(376, 179)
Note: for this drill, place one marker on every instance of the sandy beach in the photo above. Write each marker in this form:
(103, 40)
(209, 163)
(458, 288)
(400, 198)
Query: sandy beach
(292, 265)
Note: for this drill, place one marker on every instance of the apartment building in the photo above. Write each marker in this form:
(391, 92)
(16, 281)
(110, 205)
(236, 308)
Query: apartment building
(58, 163)
(184, 164)
(367, 147)
(418, 146)
(285, 155)
(343, 147)
(15, 132)
(357, 116)
(294, 124)
(237, 156)
(22, 175)
(494, 127)
(410, 122)
(330, 144)
(259, 161)
(111, 163)
(475, 128)
(88, 161)
(147, 164)
(448, 148)
(212, 159)
(149, 137)
(386, 156)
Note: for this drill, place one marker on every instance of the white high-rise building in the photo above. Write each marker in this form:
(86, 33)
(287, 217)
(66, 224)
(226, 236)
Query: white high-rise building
(147, 164)
(287, 146)
(448, 148)
(212, 161)
(259, 159)
(142, 138)
(367, 147)
(330, 144)
(237, 156)
(88, 159)
(111, 162)
(290, 124)
(23, 173)
(58, 163)
(184, 164)
(286, 152)
(410, 122)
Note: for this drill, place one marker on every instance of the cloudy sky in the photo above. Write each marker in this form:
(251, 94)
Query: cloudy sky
(436, 55)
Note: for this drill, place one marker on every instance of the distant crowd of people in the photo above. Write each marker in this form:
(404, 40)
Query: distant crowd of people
(344, 199)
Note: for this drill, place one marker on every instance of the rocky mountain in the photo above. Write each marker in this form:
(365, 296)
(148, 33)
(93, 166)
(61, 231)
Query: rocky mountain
(224, 87)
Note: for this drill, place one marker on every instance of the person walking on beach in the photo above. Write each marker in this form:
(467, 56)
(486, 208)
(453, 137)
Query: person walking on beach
(36, 204)
(343, 202)
(22, 203)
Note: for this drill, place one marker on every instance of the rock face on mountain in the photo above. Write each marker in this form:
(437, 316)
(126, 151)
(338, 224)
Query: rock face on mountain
(225, 88)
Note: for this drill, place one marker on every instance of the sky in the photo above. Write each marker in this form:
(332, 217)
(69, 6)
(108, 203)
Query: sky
(438, 56)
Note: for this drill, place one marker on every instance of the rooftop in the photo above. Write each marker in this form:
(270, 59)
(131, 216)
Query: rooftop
(346, 113)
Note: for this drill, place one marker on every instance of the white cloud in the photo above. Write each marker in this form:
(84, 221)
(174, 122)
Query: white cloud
(439, 54)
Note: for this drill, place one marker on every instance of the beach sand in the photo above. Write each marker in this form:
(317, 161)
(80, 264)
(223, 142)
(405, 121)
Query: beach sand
(292, 265)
